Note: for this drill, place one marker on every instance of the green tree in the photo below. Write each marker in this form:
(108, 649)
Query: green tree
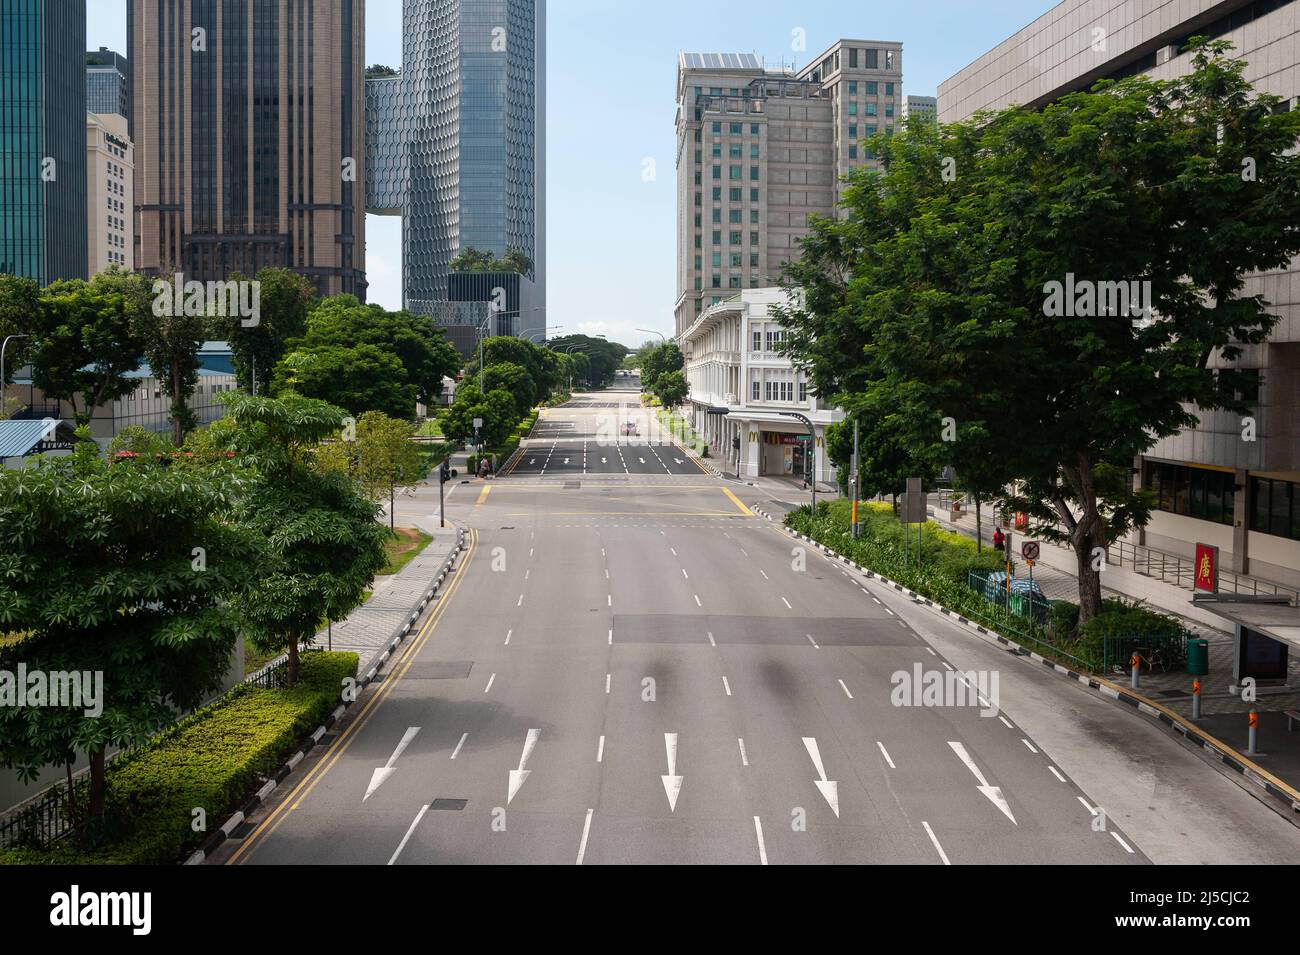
(660, 360)
(322, 543)
(671, 388)
(138, 440)
(1176, 188)
(380, 456)
(171, 344)
(604, 357)
(497, 409)
(514, 379)
(470, 259)
(423, 350)
(130, 578)
(20, 297)
(86, 339)
(284, 301)
(359, 379)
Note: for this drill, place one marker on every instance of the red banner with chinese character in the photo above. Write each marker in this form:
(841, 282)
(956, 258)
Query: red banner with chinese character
(1207, 568)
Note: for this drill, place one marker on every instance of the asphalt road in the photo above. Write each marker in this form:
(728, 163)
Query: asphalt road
(645, 672)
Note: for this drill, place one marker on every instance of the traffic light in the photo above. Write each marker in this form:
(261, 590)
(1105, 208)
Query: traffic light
(444, 472)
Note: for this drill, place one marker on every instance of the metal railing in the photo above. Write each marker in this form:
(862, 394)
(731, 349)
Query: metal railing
(39, 822)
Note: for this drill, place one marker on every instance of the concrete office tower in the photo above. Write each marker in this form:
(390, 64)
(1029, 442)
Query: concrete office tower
(108, 88)
(110, 193)
(43, 139)
(458, 143)
(248, 118)
(925, 107)
(760, 149)
(1210, 485)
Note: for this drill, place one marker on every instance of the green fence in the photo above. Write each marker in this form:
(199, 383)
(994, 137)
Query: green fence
(1160, 653)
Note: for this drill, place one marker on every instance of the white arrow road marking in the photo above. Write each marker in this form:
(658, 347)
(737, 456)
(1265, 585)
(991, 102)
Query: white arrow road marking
(566, 460)
(518, 776)
(672, 782)
(993, 793)
(642, 460)
(678, 460)
(829, 788)
(604, 460)
(380, 776)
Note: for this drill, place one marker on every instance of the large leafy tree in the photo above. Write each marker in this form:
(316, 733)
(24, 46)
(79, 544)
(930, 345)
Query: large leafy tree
(671, 388)
(125, 570)
(603, 357)
(171, 344)
(20, 297)
(85, 339)
(379, 454)
(935, 294)
(514, 379)
(662, 359)
(425, 354)
(358, 379)
(496, 408)
(322, 543)
(285, 297)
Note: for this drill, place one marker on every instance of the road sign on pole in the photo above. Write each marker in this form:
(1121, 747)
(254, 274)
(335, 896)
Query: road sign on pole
(1029, 550)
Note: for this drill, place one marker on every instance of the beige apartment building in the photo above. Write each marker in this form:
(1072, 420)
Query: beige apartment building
(761, 149)
(110, 193)
(249, 127)
(1212, 484)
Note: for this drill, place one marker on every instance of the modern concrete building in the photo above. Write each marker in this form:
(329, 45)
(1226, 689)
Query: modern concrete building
(110, 193)
(1212, 486)
(925, 107)
(457, 143)
(761, 149)
(43, 139)
(732, 362)
(248, 119)
(108, 86)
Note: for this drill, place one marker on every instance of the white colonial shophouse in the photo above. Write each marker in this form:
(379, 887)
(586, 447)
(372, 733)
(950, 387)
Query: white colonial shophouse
(732, 361)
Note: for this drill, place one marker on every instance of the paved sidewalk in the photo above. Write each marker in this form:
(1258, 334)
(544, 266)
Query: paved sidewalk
(369, 629)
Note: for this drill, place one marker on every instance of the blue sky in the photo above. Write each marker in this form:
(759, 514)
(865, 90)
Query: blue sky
(610, 84)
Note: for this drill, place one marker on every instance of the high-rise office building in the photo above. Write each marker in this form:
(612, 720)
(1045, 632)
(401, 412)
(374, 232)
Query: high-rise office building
(457, 143)
(43, 139)
(1210, 485)
(248, 119)
(923, 107)
(759, 150)
(108, 89)
(110, 193)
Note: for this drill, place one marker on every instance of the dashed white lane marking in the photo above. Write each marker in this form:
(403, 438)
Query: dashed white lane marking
(890, 612)
(685, 574)
(712, 642)
(520, 602)
(762, 849)
(606, 682)
(407, 838)
(454, 752)
(1006, 722)
(745, 552)
(1056, 774)
(1029, 744)
(586, 828)
(812, 641)
(674, 550)
(946, 664)
(787, 604)
(607, 573)
(600, 750)
(875, 598)
(527, 573)
(726, 686)
(609, 600)
(744, 758)
(931, 652)
(1127, 847)
(1085, 805)
(885, 753)
(942, 855)
(509, 634)
(845, 689)
(611, 638)
(491, 680)
(764, 573)
(697, 601)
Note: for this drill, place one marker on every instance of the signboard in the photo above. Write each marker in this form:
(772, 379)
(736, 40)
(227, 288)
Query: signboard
(1207, 568)
(1029, 550)
(1022, 520)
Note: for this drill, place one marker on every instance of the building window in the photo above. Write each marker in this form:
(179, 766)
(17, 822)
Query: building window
(736, 128)
(873, 59)
(717, 172)
(717, 260)
(717, 128)
(853, 89)
(853, 109)
(717, 193)
(717, 237)
(753, 238)
(853, 152)
(889, 109)
(853, 58)
(1192, 492)
(853, 131)
(889, 89)
(734, 151)
(758, 340)
(872, 87)
(753, 195)
(753, 129)
(803, 389)
(753, 217)
(734, 216)
(733, 281)
(754, 389)
(1275, 507)
(735, 194)
(871, 109)
(734, 172)
(717, 281)
(734, 238)
(889, 59)
(717, 216)
(717, 150)
(753, 173)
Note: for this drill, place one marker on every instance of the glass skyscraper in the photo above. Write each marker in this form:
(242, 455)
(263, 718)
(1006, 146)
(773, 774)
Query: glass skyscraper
(43, 139)
(107, 91)
(457, 146)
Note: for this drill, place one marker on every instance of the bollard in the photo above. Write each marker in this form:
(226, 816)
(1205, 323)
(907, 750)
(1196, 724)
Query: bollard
(1254, 733)
(1196, 699)
(1135, 663)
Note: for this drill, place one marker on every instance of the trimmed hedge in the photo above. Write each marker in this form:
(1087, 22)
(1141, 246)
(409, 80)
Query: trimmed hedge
(214, 759)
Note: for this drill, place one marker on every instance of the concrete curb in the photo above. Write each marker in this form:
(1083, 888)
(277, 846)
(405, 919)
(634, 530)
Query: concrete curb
(1243, 766)
(231, 824)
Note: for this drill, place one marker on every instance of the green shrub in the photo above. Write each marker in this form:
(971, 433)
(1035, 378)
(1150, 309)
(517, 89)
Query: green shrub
(213, 759)
(1064, 617)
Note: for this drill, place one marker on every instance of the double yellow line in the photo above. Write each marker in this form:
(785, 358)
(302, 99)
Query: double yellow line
(345, 739)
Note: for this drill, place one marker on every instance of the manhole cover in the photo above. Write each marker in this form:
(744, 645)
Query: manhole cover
(451, 805)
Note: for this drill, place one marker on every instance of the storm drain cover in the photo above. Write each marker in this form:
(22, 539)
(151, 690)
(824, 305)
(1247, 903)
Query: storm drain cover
(452, 805)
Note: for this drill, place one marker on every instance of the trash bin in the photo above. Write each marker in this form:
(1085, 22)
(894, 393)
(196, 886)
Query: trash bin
(1198, 657)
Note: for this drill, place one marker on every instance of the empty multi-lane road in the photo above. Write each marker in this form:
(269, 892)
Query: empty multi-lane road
(629, 666)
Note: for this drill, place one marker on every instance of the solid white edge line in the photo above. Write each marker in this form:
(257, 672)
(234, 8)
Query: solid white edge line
(1056, 773)
(407, 838)
(1120, 840)
(586, 828)
(942, 855)
(1029, 744)
(762, 849)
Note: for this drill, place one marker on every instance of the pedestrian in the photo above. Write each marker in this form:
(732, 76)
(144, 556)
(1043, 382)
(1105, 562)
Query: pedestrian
(999, 538)
(482, 467)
